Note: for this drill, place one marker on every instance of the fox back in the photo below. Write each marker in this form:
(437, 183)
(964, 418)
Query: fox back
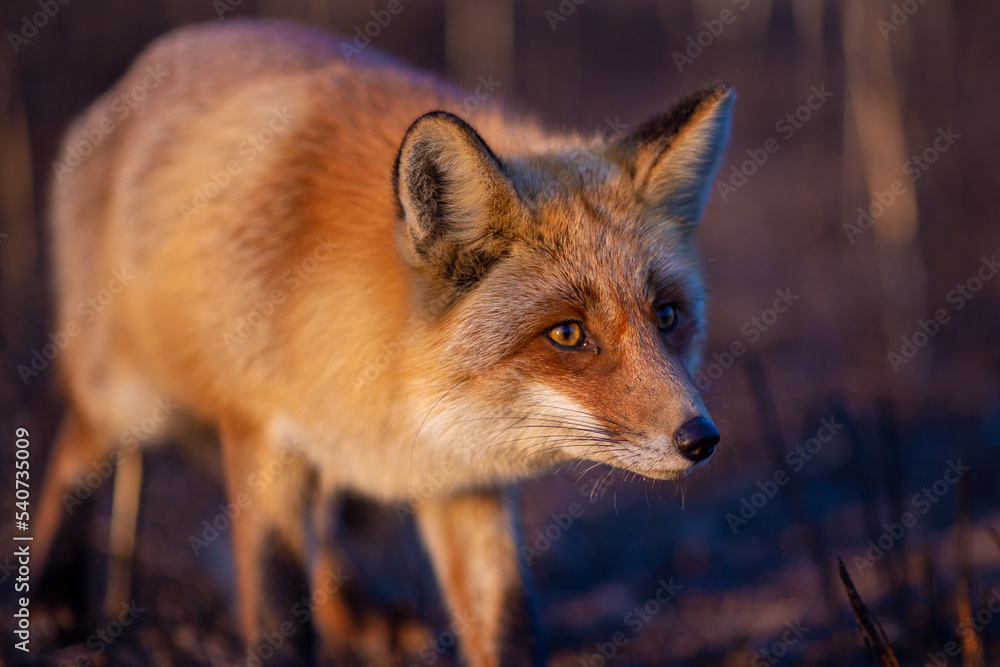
(419, 295)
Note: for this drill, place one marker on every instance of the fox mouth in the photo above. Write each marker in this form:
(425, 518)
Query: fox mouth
(673, 475)
(556, 430)
(652, 463)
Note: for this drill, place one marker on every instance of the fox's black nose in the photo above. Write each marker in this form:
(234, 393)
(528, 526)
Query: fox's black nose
(696, 439)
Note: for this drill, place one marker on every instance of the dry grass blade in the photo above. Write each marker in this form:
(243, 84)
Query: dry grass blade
(972, 647)
(871, 630)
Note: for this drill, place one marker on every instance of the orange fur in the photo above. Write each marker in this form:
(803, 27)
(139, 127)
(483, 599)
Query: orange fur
(378, 290)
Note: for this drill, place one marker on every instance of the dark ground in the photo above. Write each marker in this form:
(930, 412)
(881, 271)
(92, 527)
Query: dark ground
(825, 359)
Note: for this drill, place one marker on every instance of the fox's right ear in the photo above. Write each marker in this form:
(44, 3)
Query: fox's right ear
(458, 207)
(674, 156)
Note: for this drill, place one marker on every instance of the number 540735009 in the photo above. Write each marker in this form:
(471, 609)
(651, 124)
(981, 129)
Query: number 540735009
(21, 477)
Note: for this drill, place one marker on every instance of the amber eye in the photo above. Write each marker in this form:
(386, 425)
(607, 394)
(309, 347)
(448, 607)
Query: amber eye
(567, 334)
(666, 317)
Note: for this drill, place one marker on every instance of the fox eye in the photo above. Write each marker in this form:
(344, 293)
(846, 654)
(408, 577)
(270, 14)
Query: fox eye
(567, 334)
(667, 317)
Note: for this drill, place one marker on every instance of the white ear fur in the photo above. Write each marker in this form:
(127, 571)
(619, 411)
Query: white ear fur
(677, 154)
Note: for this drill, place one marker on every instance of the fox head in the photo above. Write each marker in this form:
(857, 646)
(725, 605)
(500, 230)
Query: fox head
(561, 291)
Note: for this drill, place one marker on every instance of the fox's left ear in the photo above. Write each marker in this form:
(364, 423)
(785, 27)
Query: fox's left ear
(458, 206)
(674, 156)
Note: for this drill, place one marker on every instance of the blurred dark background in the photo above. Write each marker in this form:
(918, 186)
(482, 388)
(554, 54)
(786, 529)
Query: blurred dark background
(833, 193)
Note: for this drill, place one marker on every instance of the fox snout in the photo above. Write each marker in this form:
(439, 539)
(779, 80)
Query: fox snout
(696, 439)
(687, 434)
(684, 438)
(676, 432)
(673, 453)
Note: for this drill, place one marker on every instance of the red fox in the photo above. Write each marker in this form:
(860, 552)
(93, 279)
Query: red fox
(286, 217)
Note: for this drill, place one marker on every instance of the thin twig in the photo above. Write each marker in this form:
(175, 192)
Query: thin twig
(871, 630)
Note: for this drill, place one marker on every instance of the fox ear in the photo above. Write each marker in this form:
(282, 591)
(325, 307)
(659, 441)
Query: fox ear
(675, 156)
(458, 206)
